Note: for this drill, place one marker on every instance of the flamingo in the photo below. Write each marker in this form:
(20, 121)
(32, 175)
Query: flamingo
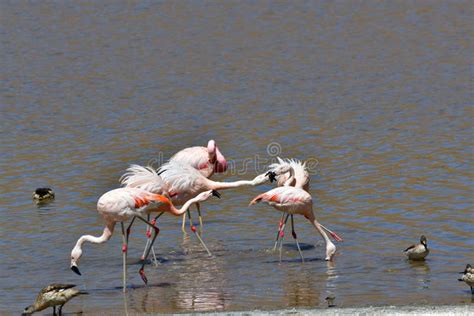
(207, 160)
(180, 182)
(292, 172)
(294, 200)
(121, 204)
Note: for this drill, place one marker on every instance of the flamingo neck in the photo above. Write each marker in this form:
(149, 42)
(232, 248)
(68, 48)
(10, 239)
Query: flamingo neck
(318, 227)
(106, 234)
(290, 179)
(184, 208)
(215, 185)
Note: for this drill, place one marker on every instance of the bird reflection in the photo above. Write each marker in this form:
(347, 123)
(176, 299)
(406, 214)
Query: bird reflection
(423, 272)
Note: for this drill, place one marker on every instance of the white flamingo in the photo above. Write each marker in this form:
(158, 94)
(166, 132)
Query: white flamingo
(207, 160)
(120, 205)
(292, 172)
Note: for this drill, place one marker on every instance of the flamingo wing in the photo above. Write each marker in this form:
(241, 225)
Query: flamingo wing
(143, 177)
(284, 197)
(197, 157)
(180, 178)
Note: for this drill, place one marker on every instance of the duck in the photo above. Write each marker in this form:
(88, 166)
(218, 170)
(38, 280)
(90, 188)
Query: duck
(418, 252)
(53, 295)
(42, 194)
(330, 300)
(468, 277)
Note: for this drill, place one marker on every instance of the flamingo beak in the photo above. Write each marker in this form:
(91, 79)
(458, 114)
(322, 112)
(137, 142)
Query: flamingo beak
(75, 269)
(216, 194)
(271, 175)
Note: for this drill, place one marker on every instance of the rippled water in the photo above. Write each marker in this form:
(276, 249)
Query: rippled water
(379, 94)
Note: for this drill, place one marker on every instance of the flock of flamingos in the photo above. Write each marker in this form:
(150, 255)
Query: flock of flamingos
(183, 181)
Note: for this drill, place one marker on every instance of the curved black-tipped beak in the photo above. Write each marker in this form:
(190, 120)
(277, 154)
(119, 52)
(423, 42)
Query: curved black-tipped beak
(216, 194)
(75, 269)
(271, 175)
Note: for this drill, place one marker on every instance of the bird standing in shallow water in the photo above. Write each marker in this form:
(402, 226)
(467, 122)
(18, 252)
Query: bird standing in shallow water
(468, 277)
(418, 252)
(293, 200)
(51, 296)
(292, 172)
(121, 204)
(207, 160)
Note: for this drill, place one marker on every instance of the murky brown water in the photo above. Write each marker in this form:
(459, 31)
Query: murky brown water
(379, 93)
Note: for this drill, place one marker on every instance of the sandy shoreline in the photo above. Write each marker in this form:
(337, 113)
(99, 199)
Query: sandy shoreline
(366, 311)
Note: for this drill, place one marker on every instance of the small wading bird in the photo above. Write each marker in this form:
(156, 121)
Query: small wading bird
(51, 296)
(292, 172)
(293, 200)
(121, 204)
(418, 252)
(180, 182)
(468, 277)
(42, 194)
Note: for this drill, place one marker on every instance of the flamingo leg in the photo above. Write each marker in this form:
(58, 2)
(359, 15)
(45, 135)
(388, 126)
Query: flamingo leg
(335, 236)
(156, 232)
(54, 310)
(60, 310)
(293, 233)
(282, 234)
(155, 261)
(183, 224)
(129, 227)
(193, 229)
(124, 256)
(278, 232)
(198, 206)
(148, 235)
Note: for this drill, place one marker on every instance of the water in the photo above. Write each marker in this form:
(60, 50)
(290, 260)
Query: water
(377, 95)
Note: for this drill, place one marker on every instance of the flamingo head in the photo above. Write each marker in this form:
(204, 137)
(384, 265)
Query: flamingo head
(281, 173)
(330, 251)
(216, 157)
(76, 254)
(201, 197)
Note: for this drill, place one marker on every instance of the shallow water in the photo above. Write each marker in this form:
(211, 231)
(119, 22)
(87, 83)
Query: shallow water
(378, 96)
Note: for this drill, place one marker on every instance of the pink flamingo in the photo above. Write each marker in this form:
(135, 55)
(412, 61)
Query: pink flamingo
(121, 204)
(207, 160)
(292, 172)
(294, 200)
(180, 182)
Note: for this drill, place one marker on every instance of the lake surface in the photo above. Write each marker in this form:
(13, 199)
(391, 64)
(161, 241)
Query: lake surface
(378, 96)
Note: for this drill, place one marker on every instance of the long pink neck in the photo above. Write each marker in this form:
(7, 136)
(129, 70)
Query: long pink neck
(318, 227)
(106, 234)
(183, 209)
